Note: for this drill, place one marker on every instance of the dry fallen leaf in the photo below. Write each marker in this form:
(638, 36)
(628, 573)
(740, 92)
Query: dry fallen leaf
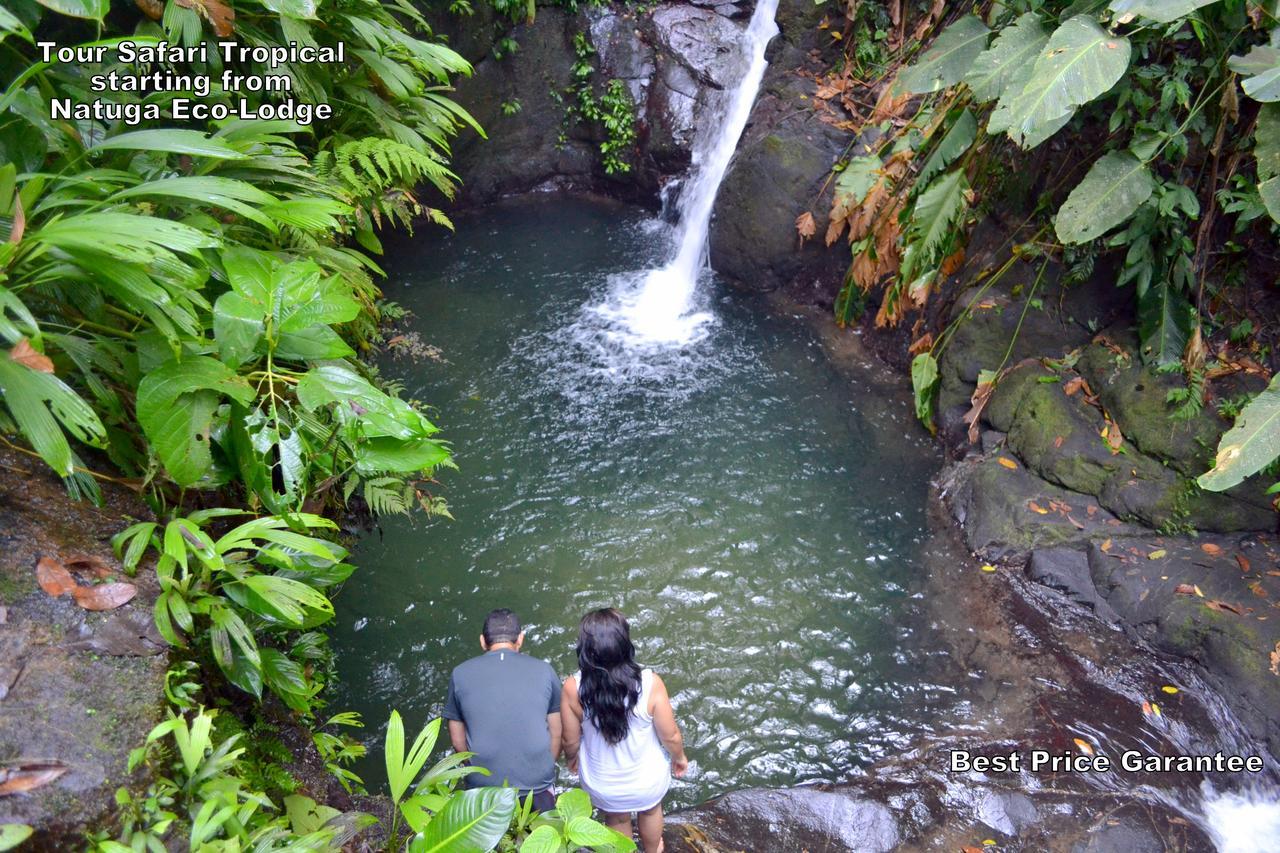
(53, 577)
(1157, 554)
(1084, 745)
(1243, 562)
(1008, 463)
(1275, 660)
(24, 354)
(1036, 508)
(1170, 689)
(1222, 606)
(806, 226)
(1188, 589)
(221, 16)
(23, 776)
(1105, 546)
(1256, 589)
(1073, 385)
(89, 565)
(1211, 549)
(987, 567)
(107, 596)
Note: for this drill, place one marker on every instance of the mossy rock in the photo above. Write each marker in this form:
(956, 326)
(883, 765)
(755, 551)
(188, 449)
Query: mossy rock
(1136, 396)
(1059, 437)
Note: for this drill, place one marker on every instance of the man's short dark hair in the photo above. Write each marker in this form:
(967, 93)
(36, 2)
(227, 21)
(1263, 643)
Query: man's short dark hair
(501, 626)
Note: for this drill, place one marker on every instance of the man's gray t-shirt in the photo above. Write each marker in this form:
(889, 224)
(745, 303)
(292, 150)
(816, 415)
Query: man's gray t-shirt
(504, 698)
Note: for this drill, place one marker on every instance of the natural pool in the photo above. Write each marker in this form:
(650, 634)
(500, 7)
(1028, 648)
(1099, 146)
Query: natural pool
(759, 523)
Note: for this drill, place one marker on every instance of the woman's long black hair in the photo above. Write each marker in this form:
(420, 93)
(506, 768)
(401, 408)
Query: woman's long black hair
(610, 685)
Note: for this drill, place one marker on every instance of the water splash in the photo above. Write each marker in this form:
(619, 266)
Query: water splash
(1243, 821)
(659, 308)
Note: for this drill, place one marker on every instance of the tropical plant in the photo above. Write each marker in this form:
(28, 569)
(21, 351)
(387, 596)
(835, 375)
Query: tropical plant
(1169, 96)
(570, 827)
(181, 297)
(199, 796)
(245, 595)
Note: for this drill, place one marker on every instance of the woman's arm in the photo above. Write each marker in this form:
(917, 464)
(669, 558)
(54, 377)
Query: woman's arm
(570, 722)
(664, 720)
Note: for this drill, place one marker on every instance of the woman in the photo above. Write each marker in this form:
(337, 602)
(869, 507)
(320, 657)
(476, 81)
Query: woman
(617, 720)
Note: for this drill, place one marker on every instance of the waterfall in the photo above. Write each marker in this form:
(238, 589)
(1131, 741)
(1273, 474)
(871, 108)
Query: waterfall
(657, 307)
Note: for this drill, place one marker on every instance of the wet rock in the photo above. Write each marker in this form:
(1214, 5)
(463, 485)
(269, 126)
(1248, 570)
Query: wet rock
(702, 41)
(1230, 630)
(815, 818)
(78, 687)
(1067, 570)
(1006, 512)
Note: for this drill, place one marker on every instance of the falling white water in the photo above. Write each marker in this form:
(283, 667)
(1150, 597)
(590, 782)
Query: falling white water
(658, 307)
(1243, 822)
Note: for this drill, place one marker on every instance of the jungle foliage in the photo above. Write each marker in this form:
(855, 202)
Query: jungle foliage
(182, 301)
(1170, 112)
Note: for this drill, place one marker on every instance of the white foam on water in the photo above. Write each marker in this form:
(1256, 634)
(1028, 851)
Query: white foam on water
(659, 308)
(1243, 821)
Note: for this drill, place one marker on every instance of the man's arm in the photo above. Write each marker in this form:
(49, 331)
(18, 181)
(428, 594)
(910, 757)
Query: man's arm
(557, 731)
(458, 735)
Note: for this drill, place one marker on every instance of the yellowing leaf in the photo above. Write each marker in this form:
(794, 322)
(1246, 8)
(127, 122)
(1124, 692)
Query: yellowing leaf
(1036, 508)
(1008, 463)
(987, 567)
(1170, 689)
(1158, 554)
(1084, 745)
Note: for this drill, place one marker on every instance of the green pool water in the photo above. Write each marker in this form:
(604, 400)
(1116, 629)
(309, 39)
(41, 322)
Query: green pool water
(757, 515)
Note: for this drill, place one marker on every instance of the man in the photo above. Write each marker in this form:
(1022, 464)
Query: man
(505, 707)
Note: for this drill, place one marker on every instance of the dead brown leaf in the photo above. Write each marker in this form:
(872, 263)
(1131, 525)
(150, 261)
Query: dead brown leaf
(1243, 562)
(1073, 385)
(1223, 607)
(1057, 442)
(25, 354)
(952, 262)
(1257, 589)
(978, 402)
(1211, 549)
(1036, 508)
(24, 776)
(219, 15)
(1008, 463)
(153, 9)
(87, 564)
(806, 226)
(1188, 589)
(1275, 660)
(107, 596)
(54, 578)
(921, 344)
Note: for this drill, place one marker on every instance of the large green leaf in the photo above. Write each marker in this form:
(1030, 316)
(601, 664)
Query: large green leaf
(236, 196)
(947, 60)
(937, 211)
(171, 141)
(131, 238)
(13, 834)
(238, 326)
(957, 140)
(1270, 192)
(1164, 323)
(544, 839)
(924, 383)
(1267, 141)
(176, 402)
(38, 403)
(1116, 185)
(1162, 11)
(1080, 61)
(94, 10)
(402, 769)
(473, 821)
(279, 599)
(1250, 445)
(1260, 68)
(1008, 62)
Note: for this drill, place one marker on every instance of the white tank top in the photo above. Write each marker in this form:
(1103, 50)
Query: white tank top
(632, 775)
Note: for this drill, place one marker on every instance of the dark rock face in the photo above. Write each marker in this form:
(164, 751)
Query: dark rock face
(76, 687)
(1231, 628)
(676, 60)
